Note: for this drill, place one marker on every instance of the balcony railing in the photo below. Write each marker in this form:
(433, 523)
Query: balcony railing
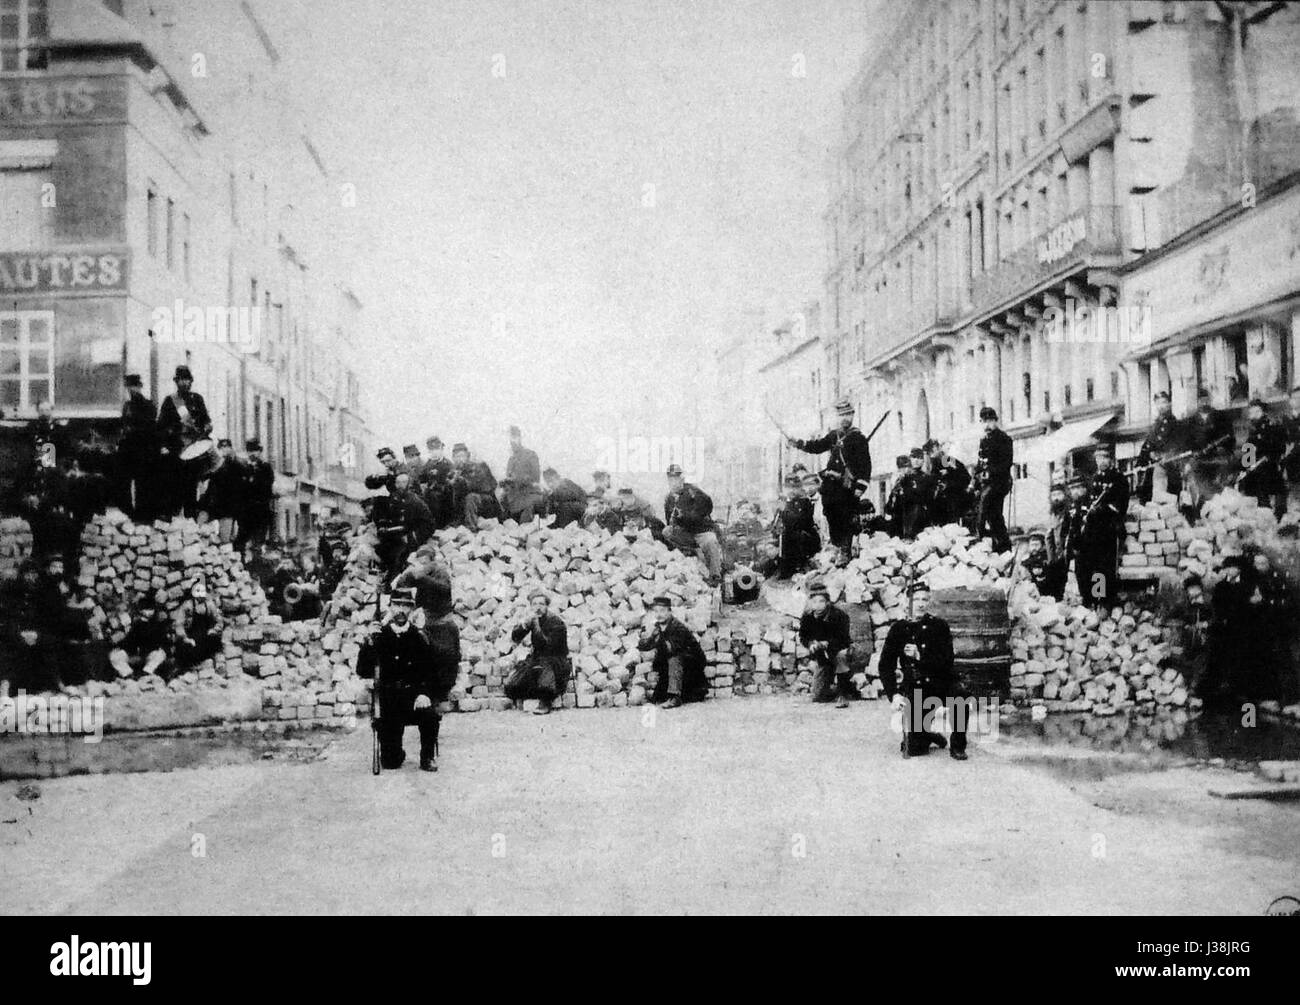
(1077, 238)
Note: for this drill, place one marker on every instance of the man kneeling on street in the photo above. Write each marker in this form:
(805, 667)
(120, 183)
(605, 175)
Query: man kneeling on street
(824, 631)
(679, 660)
(917, 675)
(544, 673)
(408, 687)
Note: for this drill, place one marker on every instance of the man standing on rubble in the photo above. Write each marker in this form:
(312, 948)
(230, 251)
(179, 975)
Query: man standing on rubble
(993, 475)
(544, 673)
(1096, 562)
(1208, 432)
(689, 512)
(950, 500)
(1261, 460)
(847, 472)
(435, 484)
(257, 510)
(1164, 438)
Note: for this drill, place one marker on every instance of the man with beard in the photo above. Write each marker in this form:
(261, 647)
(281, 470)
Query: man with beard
(951, 499)
(1057, 542)
(679, 660)
(257, 505)
(137, 454)
(521, 498)
(795, 530)
(198, 629)
(1261, 460)
(435, 484)
(408, 687)
(392, 468)
(224, 497)
(825, 632)
(848, 471)
(544, 673)
(565, 499)
(993, 474)
(182, 421)
(473, 488)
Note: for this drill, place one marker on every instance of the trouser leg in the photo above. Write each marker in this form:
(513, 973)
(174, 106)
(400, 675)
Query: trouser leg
(392, 724)
(823, 677)
(710, 552)
(429, 722)
(676, 676)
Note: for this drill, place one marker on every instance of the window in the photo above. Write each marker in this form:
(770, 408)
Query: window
(26, 361)
(1068, 395)
(185, 246)
(1089, 389)
(23, 25)
(171, 233)
(151, 218)
(27, 222)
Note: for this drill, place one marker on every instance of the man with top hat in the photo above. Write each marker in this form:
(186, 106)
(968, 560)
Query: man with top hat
(473, 488)
(182, 421)
(544, 673)
(137, 453)
(825, 632)
(408, 689)
(679, 660)
(434, 480)
(392, 468)
(257, 509)
(795, 530)
(918, 675)
(993, 476)
(1163, 439)
(521, 496)
(1261, 460)
(223, 499)
(1101, 532)
(690, 527)
(847, 472)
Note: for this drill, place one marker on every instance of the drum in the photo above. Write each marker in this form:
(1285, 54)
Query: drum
(199, 459)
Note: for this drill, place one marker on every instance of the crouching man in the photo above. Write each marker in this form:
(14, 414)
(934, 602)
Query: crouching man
(824, 632)
(917, 675)
(197, 629)
(148, 643)
(544, 673)
(679, 660)
(407, 688)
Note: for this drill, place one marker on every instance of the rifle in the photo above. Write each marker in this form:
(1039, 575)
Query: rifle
(1178, 457)
(849, 481)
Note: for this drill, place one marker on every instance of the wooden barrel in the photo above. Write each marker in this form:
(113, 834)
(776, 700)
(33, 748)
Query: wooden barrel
(981, 637)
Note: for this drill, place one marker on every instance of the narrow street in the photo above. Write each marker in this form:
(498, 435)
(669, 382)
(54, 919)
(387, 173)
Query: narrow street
(758, 805)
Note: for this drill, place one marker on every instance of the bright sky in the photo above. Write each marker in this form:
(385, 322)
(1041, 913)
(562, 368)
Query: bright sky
(522, 269)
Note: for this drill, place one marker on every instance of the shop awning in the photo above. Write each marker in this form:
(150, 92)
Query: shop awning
(1055, 446)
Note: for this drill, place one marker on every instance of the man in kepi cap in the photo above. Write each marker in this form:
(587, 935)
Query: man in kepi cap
(1101, 532)
(679, 659)
(392, 468)
(182, 421)
(137, 453)
(257, 512)
(408, 688)
(824, 631)
(544, 673)
(224, 497)
(434, 480)
(1163, 438)
(690, 527)
(993, 476)
(847, 473)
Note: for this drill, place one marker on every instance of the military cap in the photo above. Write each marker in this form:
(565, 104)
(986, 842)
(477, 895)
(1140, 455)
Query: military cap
(674, 470)
(987, 413)
(536, 592)
(626, 490)
(182, 373)
(459, 448)
(550, 473)
(410, 450)
(844, 407)
(917, 452)
(662, 601)
(598, 475)
(253, 446)
(403, 596)
(793, 480)
(1202, 392)
(514, 431)
(1104, 448)
(1077, 480)
(132, 380)
(383, 452)
(819, 588)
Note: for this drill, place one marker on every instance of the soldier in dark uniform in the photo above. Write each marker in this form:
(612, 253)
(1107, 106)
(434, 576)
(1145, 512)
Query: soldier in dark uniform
(1163, 438)
(795, 530)
(1207, 431)
(430, 578)
(224, 498)
(256, 510)
(406, 526)
(689, 514)
(1057, 542)
(1291, 455)
(473, 489)
(630, 513)
(825, 632)
(198, 626)
(435, 484)
(1101, 532)
(1034, 563)
(544, 673)
(907, 506)
(1076, 511)
(993, 475)
(182, 420)
(521, 496)
(847, 473)
(951, 498)
(1261, 460)
(679, 660)
(565, 499)
(916, 664)
(137, 454)
(409, 686)
(392, 468)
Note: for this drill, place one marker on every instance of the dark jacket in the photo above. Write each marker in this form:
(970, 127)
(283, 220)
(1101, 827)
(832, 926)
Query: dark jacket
(568, 501)
(176, 434)
(145, 637)
(1266, 442)
(1107, 506)
(475, 476)
(995, 459)
(258, 488)
(523, 472)
(934, 668)
(415, 517)
(431, 581)
(549, 639)
(444, 648)
(139, 440)
(832, 628)
(951, 493)
(674, 639)
(226, 488)
(404, 661)
(850, 452)
(689, 508)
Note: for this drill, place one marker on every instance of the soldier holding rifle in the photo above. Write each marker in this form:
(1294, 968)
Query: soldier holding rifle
(847, 473)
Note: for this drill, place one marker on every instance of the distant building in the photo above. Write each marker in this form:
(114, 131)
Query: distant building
(160, 204)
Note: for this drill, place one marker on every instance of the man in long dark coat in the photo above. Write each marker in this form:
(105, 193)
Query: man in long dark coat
(847, 472)
(544, 673)
(679, 659)
(136, 484)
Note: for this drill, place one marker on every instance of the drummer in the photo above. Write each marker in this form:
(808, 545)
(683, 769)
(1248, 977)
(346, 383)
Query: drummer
(184, 426)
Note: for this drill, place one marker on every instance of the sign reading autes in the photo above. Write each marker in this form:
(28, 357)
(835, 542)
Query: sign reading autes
(44, 100)
(27, 273)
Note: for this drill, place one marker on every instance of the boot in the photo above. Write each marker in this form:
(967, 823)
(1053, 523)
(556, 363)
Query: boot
(672, 702)
(428, 764)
